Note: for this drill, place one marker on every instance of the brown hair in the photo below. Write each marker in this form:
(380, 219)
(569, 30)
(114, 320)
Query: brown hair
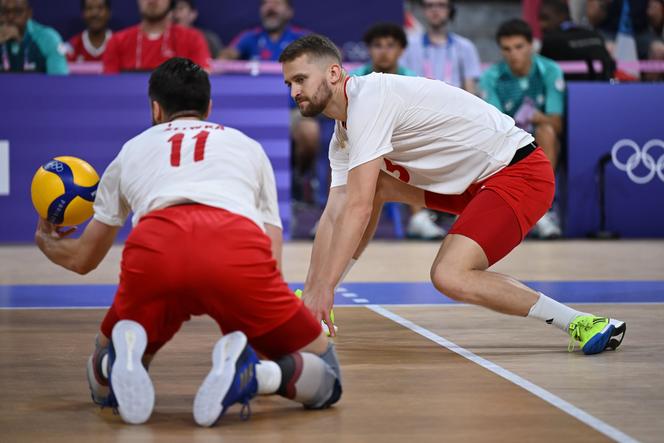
(314, 45)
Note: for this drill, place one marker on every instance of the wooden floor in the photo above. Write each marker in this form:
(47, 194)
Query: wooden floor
(398, 385)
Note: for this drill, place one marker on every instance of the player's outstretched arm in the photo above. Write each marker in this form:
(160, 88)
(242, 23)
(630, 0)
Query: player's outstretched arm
(80, 255)
(347, 232)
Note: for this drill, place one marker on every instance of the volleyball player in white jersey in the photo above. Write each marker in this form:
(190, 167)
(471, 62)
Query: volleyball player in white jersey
(203, 198)
(423, 142)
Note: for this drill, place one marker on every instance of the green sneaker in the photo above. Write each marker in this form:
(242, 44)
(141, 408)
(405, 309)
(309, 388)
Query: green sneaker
(595, 334)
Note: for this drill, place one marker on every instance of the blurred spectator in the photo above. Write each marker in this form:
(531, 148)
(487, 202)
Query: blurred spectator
(27, 46)
(153, 41)
(185, 14)
(386, 43)
(440, 54)
(89, 45)
(266, 43)
(268, 40)
(627, 17)
(564, 40)
(577, 10)
(656, 21)
(529, 88)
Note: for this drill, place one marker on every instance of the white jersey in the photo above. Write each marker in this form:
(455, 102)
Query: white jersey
(188, 161)
(431, 135)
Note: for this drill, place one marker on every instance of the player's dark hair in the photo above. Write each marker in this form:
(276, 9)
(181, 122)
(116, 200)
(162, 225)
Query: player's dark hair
(514, 27)
(107, 3)
(180, 85)
(314, 45)
(382, 30)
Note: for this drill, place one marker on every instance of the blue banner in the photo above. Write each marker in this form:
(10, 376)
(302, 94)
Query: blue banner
(620, 126)
(91, 117)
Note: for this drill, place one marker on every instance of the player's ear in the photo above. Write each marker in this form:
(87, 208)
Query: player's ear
(157, 112)
(335, 73)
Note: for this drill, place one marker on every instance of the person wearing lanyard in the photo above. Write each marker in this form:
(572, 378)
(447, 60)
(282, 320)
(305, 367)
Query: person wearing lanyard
(440, 54)
(530, 89)
(156, 39)
(27, 46)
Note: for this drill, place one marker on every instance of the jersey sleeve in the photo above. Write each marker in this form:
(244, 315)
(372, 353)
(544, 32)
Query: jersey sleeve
(268, 204)
(488, 89)
(111, 57)
(372, 117)
(110, 206)
(472, 68)
(51, 45)
(338, 162)
(242, 44)
(555, 90)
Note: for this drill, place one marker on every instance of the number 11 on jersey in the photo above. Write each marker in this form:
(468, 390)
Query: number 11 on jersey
(176, 147)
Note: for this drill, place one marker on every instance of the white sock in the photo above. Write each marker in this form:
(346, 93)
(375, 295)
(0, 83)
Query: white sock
(349, 266)
(268, 376)
(551, 311)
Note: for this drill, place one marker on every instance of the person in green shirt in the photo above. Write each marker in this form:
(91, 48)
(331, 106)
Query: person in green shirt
(530, 89)
(27, 46)
(386, 43)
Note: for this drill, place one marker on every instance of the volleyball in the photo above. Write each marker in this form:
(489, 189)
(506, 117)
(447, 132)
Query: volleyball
(63, 191)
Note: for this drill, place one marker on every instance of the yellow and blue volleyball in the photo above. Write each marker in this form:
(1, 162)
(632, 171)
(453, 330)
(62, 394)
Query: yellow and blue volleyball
(63, 191)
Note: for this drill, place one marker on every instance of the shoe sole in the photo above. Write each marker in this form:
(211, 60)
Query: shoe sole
(605, 339)
(208, 407)
(130, 382)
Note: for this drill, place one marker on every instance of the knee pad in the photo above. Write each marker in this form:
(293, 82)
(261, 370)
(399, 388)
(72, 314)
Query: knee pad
(311, 379)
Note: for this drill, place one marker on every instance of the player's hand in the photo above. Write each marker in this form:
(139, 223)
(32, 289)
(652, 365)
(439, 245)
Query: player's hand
(48, 231)
(320, 301)
(8, 32)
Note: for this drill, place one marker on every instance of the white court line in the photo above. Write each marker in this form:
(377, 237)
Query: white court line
(542, 393)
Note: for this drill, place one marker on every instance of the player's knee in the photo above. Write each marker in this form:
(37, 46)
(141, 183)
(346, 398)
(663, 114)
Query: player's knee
(450, 282)
(314, 381)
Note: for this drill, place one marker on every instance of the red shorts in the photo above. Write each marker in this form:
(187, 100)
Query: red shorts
(193, 260)
(498, 212)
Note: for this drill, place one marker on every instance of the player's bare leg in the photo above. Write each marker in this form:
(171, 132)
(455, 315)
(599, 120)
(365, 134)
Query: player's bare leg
(460, 272)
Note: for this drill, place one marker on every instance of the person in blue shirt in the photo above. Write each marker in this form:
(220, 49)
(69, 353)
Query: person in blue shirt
(27, 46)
(266, 42)
(530, 89)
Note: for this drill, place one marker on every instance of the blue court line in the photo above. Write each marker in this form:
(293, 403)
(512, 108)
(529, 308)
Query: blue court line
(351, 294)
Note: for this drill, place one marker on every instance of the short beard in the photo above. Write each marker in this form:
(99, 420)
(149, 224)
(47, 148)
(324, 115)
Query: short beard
(318, 101)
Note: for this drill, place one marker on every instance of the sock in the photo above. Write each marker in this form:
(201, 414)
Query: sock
(551, 311)
(268, 376)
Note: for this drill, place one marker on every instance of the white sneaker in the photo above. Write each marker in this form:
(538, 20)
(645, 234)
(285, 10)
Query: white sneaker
(548, 226)
(130, 382)
(421, 225)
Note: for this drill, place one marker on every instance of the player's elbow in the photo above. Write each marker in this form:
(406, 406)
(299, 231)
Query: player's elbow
(82, 267)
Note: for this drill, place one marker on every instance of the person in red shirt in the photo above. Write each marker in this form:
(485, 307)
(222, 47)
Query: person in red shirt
(156, 39)
(89, 45)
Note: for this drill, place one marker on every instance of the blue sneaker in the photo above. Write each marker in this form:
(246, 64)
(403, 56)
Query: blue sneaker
(131, 387)
(100, 391)
(231, 380)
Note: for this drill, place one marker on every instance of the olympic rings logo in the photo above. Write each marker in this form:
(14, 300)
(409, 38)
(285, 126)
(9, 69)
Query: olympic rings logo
(639, 156)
